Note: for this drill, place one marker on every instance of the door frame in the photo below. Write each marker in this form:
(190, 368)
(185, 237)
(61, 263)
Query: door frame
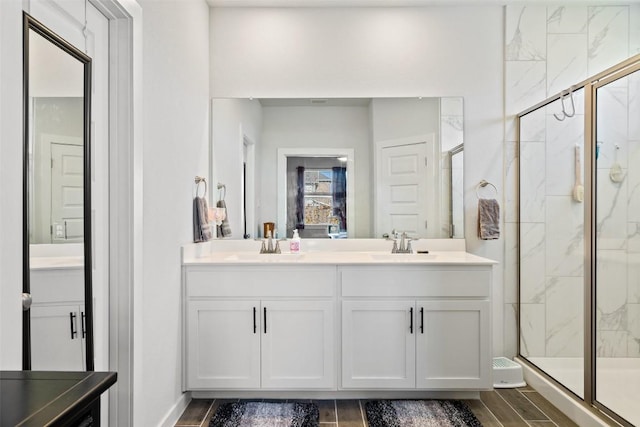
(249, 185)
(125, 195)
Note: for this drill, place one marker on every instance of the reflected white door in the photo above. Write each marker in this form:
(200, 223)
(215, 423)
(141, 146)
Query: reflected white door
(406, 199)
(67, 196)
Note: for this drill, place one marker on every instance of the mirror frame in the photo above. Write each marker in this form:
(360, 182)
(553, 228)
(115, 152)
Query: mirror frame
(30, 23)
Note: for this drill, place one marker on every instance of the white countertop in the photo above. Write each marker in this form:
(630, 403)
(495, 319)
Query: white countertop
(340, 258)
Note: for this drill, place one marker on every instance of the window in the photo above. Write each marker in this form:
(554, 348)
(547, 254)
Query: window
(318, 198)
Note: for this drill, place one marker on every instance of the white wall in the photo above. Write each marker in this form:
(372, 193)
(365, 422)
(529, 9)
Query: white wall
(175, 150)
(404, 118)
(10, 187)
(379, 52)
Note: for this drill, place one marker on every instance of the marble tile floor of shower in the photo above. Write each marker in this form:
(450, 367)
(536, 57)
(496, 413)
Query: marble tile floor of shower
(499, 408)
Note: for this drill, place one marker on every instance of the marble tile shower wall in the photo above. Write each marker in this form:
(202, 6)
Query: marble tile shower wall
(547, 49)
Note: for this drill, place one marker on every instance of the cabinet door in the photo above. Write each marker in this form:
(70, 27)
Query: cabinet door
(56, 338)
(298, 344)
(223, 344)
(454, 344)
(378, 344)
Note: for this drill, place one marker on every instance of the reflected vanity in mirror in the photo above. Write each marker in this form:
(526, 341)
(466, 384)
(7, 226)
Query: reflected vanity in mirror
(57, 285)
(344, 167)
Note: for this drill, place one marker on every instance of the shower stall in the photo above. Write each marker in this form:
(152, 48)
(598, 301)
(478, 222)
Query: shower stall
(579, 242)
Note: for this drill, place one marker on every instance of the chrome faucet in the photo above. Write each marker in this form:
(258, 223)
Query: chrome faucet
(267, 246)
(405, 243)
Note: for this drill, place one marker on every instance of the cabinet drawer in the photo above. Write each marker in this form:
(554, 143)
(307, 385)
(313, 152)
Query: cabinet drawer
(54, 286)
(261, 282)
(383, 282)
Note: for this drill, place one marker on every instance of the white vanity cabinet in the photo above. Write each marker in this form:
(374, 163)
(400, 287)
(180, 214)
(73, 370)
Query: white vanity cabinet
(259, 327)
(57, 319)
(416, 327)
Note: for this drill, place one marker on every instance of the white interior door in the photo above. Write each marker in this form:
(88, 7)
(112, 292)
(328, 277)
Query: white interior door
(67, 193)
(405, 193)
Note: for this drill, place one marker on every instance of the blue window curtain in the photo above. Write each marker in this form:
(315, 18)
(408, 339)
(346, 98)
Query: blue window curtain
(340, 196)
(300, 199)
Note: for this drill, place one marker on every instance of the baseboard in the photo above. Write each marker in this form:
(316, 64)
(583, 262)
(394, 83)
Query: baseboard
(342, 394)
(176, 411)
(571, 407)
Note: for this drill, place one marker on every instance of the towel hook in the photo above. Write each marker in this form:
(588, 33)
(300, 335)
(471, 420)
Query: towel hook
(564, 115)
(573, 106)
(223, 190)
(198, 181)
(483, 184)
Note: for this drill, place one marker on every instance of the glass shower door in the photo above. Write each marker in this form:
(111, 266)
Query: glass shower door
(617, 246)
(552, 240)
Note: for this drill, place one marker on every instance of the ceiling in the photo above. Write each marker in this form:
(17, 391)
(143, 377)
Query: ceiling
(398, 3)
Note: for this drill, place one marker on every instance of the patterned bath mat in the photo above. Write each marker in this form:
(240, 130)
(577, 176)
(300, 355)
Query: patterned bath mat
(420, 413)
(266, 414)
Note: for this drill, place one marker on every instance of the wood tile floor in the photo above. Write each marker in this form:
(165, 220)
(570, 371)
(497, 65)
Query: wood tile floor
(506, 407)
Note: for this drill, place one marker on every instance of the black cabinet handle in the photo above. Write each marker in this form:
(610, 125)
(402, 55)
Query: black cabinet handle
(255, 325)
(84, 330)
(411, 320)
(72, 323)
(265, 320)
(422, 320)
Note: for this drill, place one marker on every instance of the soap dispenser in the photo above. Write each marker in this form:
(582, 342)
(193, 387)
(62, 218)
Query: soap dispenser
(294, 243)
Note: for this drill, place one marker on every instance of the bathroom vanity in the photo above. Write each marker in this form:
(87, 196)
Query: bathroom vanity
(335, 322)
(58, 337)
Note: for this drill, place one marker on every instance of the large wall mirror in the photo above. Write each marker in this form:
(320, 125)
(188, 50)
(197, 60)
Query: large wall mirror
(338, 167)
(58, 315)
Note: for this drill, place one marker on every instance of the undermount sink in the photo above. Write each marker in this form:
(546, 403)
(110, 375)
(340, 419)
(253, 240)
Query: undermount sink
(415, 257)
(257, 257)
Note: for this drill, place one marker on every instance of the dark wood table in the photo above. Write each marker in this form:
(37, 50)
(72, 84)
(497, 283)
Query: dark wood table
(34, 398)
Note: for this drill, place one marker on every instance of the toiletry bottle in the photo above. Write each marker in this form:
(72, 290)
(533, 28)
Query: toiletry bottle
(294, 243)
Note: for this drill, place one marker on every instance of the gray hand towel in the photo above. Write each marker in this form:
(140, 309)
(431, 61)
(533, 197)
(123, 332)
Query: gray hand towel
(488, 219)
(201, 227)
(224, 230)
